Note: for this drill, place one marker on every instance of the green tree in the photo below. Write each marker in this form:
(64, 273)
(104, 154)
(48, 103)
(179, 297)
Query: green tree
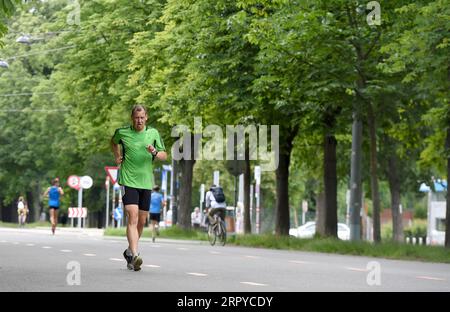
(421, 55)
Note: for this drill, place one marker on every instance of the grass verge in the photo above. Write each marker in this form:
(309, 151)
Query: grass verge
(27, 225)
(388, 250)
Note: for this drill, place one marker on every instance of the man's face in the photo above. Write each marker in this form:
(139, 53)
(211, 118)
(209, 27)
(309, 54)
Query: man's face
(139, 120)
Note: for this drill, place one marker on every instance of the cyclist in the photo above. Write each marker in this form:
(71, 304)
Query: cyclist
(215, 203)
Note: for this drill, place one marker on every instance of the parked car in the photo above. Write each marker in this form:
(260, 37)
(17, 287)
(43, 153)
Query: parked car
(308, 230)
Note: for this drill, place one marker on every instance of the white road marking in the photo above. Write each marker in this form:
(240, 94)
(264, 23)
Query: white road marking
(15, 243)
(182, 248)
(298, 262)
(155, 246)
(197, 274)
(3, 241)
(357, 269)
(215, 252)
(66, 250)
(152, 265)
(430, 278)
(252, 257)
(116, 259)
(89, 255)
(30, 244)
(253, 284)
(46, 247)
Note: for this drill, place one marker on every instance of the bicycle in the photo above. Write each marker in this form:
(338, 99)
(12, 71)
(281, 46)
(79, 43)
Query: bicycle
(217, 231)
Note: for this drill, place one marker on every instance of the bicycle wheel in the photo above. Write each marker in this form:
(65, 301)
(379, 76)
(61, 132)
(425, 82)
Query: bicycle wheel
(223, 233)
(211, 235)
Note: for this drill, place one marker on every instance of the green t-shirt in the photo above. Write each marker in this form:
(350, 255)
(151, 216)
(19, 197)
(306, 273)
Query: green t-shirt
(136, 169)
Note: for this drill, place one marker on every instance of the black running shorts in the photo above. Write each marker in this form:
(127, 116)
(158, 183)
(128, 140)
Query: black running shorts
(155, 216)
(135, 196)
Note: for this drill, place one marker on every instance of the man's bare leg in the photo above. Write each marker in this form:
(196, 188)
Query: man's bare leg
(141, 223)
(132, 228)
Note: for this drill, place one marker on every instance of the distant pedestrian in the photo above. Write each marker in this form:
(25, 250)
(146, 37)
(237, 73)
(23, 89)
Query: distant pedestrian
(22, 211)
(118, 216)
(135, 147)
(54, 194)
(196, 218)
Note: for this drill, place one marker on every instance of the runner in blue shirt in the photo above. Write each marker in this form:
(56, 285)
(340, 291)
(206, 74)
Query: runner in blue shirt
(54, 194)
(156, 202)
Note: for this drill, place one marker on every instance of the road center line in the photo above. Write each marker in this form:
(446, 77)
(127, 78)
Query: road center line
(152, 265)
(253, 284)
(46, 247)
(30, 244)
(116, 259)
(89, 255)
(197, 274)
(357, 269)
(66, 250)
(298, 262)
(430, 278)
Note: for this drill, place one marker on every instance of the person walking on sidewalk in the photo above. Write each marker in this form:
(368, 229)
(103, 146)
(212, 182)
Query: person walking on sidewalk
(135, 147)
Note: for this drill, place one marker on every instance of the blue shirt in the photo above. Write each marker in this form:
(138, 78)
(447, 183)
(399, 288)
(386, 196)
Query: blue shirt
(118, 214)
(53, 196)
(155, 203)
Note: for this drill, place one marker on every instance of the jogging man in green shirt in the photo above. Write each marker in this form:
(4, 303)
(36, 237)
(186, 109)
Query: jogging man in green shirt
(135, 147)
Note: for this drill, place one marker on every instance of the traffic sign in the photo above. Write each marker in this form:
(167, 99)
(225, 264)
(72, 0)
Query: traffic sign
(86, 182)
(75, 212)
(112, 172)
(74, 182)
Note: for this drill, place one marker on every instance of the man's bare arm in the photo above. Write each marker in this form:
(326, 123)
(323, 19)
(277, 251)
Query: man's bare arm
(117, 153)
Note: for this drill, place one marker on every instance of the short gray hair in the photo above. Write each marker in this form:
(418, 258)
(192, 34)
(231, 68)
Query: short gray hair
(138, 108)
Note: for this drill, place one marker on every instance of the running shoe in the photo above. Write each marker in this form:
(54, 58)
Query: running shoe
(136, 262)
(128, 259)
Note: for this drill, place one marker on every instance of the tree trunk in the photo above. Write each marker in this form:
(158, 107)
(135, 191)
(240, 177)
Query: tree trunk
(327, 219)
(33, 200)
(447, 214)
(184, 211)
(320, 207)
(185, 198)
(247, 178)
(394, 187)
(282, 202)
(282, 176)
(374, 175)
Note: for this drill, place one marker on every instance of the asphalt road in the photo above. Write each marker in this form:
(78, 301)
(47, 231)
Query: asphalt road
(84, 260)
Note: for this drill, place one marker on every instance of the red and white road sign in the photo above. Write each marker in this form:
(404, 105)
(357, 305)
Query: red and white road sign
(74, 182)
(75, 212)
(112, 173)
